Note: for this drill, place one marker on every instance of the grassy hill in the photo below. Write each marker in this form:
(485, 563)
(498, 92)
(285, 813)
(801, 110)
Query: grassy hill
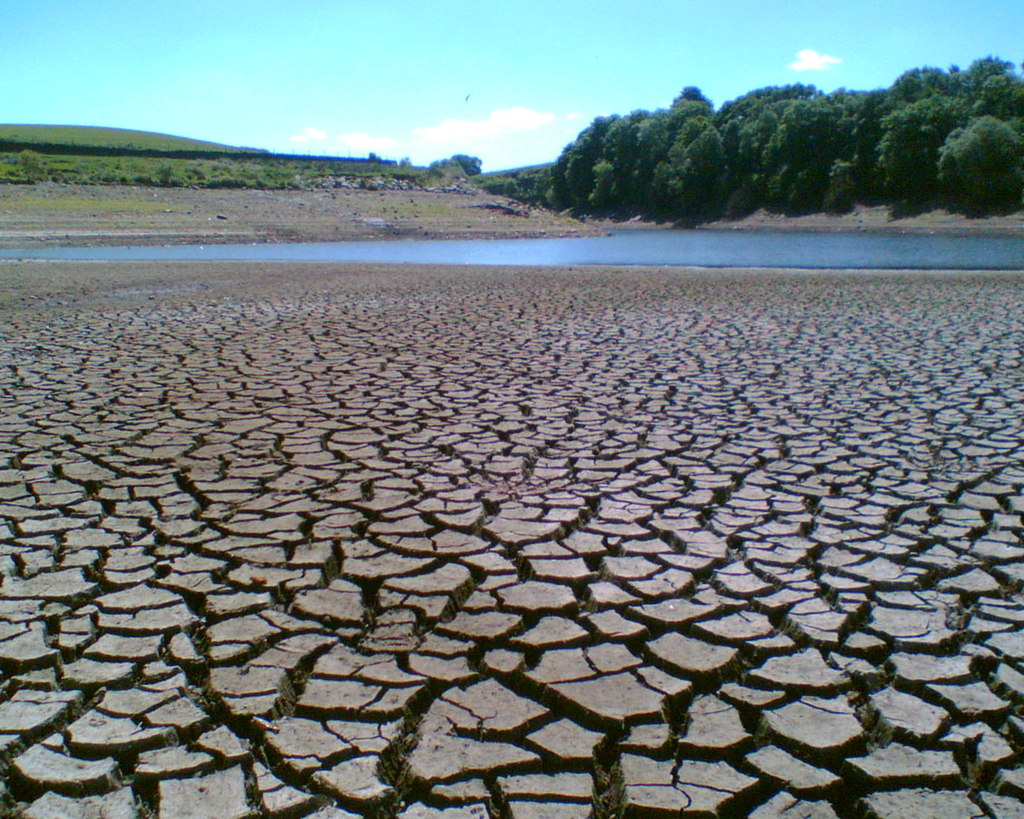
(104, 156)
(123, 138)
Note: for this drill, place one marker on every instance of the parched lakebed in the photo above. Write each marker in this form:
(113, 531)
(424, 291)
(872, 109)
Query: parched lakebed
(334, 541)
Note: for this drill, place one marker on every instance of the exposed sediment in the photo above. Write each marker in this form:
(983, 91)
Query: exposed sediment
(81, 215)
(334, 541)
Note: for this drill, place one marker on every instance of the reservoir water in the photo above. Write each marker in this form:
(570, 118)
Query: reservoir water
(700, 248)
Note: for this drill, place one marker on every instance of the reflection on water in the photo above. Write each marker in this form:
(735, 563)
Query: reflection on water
(701, 248)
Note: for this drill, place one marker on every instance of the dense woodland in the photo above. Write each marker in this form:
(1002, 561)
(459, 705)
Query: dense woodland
(952, 138)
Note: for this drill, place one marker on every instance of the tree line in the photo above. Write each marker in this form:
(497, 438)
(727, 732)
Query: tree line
(935, 137)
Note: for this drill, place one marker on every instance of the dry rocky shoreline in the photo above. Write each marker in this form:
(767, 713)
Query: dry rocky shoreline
(103, 215)
(54, 214)
(881, 219)
(426, 542)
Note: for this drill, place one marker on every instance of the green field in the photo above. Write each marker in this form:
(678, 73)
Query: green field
(113, 156)
(106, 138)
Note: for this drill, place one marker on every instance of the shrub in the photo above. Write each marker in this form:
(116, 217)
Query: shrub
(32, 166)
(980, 165)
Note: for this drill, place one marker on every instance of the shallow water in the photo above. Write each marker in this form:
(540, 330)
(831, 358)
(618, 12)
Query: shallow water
(699, 248)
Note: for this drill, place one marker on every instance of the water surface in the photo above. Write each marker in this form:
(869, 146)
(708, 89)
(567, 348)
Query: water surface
(701, 248)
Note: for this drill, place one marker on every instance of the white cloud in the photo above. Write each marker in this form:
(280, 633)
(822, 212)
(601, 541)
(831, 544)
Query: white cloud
(357, 143)
(500, 123)
(309, 135)
(507, 138)
(811, 60)
(364, 143)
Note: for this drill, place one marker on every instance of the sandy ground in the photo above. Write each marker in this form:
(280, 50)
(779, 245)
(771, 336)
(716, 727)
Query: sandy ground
(444, 543)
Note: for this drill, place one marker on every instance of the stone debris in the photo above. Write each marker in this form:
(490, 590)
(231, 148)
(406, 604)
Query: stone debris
(382, 542)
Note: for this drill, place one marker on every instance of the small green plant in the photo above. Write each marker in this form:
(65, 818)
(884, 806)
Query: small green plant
(32, 166)
(459, 166)
(166, 176)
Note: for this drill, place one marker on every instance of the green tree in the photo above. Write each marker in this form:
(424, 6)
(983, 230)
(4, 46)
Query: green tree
(980, 72)
(842, 187)
(692, 94)
(688, 183)
(980, 165)
(921, 83)
(1001, 97)
(573, 175)
(166, 175)
(792, 148)
(752, 103)
(801, 153)
(602, 196)
(908, 152)
(454, 166)
(747, 125)
(866, 112)
(624, 153)
(471, 165)
(32, 166)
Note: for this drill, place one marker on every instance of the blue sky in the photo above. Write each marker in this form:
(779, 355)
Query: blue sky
(510, 82)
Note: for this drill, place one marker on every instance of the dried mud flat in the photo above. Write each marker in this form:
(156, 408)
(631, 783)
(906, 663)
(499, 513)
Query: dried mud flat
(314, 541)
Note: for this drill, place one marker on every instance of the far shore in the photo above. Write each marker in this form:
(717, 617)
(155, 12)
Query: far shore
(879, 218)
(862, 219)
(50, 214)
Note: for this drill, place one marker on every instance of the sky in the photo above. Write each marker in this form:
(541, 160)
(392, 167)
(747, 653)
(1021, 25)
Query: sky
(511, 82)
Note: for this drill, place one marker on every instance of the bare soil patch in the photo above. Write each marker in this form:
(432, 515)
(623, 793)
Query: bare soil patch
(108, 215)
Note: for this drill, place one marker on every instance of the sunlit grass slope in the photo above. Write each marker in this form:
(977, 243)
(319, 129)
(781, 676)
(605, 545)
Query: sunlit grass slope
(105, 138)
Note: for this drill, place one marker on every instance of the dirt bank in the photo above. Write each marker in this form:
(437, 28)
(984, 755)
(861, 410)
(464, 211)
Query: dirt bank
(102, 215)
(878, 218)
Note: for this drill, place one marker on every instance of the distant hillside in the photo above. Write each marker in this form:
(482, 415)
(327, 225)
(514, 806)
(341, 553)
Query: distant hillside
(104, 156)
(71, 154)
(120, 138)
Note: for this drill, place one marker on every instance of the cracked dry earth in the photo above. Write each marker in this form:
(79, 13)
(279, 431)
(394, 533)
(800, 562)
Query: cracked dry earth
(305, 541)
